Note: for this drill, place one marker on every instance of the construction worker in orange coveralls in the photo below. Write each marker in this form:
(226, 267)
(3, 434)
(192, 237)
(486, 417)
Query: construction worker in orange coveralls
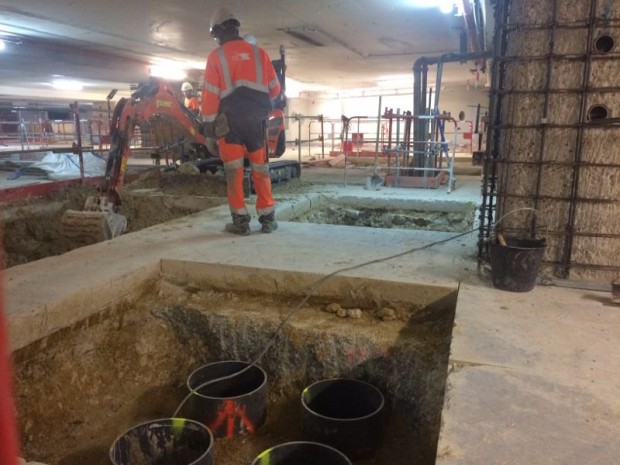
(191, 100)
(240, 83)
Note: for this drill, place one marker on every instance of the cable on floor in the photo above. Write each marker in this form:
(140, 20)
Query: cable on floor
(309, 294)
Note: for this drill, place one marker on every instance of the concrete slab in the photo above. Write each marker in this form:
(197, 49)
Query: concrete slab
(501, 416)
(533, 379)
(111, 266)
(544, 332)
(534, 376)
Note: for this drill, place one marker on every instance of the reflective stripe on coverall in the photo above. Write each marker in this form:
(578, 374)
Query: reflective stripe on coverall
(240, 81)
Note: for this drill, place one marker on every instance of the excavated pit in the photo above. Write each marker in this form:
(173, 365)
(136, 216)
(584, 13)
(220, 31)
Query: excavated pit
(377, 212)
(79, 388)
(32, 227)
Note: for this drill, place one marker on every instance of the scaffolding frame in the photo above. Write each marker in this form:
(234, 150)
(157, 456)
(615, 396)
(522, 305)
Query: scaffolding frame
(424, 158)
(394, 136)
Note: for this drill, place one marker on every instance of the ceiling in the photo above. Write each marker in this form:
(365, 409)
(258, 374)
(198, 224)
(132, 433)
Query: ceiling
(110, 44)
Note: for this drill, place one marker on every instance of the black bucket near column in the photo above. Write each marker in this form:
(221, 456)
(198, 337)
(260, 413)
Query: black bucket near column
(301, 453)
(515, 266)
(230, 407)
(167, 441)
(346, 414)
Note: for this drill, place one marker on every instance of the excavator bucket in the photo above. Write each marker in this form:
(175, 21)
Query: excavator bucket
(96, 223)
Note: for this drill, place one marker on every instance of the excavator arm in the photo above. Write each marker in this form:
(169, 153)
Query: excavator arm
(152, 102)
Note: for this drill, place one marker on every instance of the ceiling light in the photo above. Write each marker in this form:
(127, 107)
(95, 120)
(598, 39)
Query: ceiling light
(445, 6)
(171, 71)
(2, 44)
(423, 3)
(67, 84)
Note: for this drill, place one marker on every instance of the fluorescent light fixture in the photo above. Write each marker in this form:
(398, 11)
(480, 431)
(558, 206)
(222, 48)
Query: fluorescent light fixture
(445, 6)
(67, 84)
(169, 70)
(2, 44)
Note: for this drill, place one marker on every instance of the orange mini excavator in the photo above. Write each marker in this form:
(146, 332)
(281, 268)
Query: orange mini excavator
(156, 103)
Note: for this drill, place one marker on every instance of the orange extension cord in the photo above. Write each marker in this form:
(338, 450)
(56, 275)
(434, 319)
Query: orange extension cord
(8, 431)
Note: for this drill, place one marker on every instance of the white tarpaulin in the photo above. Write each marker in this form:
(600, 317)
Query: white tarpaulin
(62, 166)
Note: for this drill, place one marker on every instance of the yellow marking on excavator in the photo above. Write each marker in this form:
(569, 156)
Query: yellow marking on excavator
(163, 104)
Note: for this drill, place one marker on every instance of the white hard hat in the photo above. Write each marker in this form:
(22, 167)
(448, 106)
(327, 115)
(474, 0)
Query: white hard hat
(221, 16)
(186, 86)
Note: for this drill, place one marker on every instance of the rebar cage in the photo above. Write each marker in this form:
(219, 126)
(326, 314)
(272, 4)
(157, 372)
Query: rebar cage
(553, 142)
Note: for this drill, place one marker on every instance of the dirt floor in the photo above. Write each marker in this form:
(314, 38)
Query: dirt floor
(32, 228)
(391, 218)
(80, 389)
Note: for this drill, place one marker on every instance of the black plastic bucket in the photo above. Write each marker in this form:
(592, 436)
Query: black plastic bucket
(168, 441)
(515, 266)
(301, 453)
(231, 407)
(344, 413)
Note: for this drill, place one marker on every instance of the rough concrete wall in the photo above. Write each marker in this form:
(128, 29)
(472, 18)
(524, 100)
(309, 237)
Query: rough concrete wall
(537, 166)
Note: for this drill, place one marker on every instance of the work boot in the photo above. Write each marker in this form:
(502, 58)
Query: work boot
(240, 225)
(268, 223)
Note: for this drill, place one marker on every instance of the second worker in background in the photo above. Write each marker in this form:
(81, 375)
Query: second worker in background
(239, 84)
(191, 99)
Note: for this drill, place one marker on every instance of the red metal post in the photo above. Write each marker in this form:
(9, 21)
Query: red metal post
(8, 431)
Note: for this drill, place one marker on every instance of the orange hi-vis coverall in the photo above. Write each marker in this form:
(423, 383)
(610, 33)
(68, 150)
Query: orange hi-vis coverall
(191, 103)
(240, 82)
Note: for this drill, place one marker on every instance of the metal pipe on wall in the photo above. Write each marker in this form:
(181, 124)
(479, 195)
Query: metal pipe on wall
(420, 81)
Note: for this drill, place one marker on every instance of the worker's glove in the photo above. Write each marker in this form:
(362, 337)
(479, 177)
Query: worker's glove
(221, 125)
(208, 129)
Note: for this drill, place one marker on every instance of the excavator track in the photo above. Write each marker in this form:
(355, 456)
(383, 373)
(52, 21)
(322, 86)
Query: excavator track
(284, 170)
(279, 170)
